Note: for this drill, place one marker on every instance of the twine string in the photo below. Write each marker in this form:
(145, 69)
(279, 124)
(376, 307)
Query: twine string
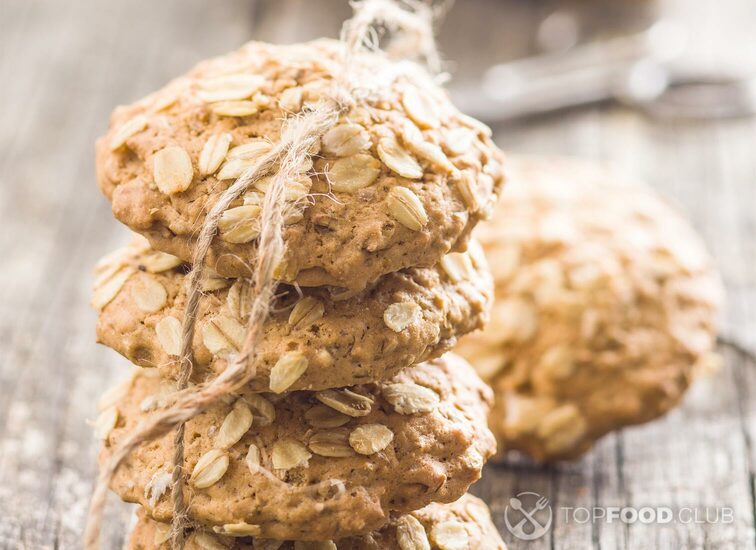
(299, 135)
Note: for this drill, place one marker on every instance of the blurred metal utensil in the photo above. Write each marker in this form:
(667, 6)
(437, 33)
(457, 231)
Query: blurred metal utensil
(688, 92)
(641, 70)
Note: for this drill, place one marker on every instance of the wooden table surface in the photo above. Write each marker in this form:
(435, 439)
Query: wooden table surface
(65, 65)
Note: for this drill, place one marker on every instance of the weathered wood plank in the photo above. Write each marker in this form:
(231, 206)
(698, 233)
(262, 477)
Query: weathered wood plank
(745, 382)
(56, 225)
(694, 458)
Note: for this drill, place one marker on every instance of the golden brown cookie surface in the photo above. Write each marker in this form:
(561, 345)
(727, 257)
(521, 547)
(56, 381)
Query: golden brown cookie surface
(399, 182)
(339, 338)
(462, 525)
(605, 303)
(334, 463)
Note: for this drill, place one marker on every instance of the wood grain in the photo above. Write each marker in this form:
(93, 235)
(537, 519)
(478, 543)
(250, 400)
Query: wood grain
(65, 65)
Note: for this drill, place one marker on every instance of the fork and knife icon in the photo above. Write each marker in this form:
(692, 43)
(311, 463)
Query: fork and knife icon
(536, 528)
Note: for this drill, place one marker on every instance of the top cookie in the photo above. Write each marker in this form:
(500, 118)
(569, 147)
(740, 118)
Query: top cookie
(606, 301)
(461, 525)
(400, 180)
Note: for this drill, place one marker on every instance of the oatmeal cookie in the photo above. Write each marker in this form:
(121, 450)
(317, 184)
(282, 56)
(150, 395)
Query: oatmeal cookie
(400, 181)
(462, 525)
(335, 337)
(606, 302)
(311, 465)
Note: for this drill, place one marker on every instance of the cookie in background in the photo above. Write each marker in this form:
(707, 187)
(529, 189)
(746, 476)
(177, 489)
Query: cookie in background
(606, 305)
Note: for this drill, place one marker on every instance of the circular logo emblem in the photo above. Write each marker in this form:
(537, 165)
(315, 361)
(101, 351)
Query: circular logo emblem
(528, 515)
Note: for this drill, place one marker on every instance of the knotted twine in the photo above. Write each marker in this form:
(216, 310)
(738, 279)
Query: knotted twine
(411, 25)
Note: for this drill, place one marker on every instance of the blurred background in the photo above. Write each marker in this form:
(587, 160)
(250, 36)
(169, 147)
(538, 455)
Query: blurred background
(664, 90)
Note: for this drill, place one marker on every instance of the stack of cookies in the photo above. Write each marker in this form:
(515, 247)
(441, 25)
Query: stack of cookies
(606, 306)
(356, 431)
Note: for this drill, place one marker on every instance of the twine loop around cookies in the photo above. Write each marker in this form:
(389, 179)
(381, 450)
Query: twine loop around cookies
(411, 25)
